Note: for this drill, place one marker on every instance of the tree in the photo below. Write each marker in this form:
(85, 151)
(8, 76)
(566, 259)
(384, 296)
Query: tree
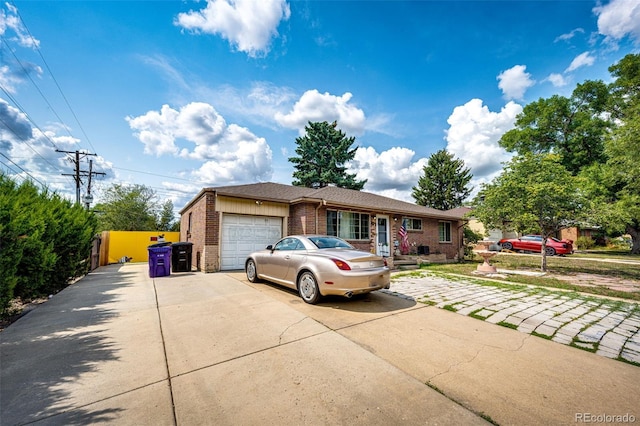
(574, 128)
(322, 155)
(166, 218)
(534, 194)
(625, 89)
(614, 186)
(444, 184)
(128, 208)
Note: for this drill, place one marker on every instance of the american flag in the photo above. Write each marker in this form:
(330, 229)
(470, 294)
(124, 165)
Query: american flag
(404, 238)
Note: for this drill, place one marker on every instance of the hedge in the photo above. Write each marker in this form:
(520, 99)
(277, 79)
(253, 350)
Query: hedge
(45, 241)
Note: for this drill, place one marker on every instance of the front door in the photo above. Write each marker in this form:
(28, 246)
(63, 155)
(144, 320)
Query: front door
(383, 246)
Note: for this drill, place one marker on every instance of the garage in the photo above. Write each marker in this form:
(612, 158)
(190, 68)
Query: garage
(243, 234)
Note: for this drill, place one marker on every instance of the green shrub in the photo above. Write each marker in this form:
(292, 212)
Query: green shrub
(471, 238)
(45, 241)
(585, 243)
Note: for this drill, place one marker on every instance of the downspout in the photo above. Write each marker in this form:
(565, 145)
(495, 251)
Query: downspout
(323, 202)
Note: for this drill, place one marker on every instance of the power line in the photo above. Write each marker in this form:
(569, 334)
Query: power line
(12, 130)
(28, 74)
(46, 64)
(15, 102)
(26, 172)
(153, 174)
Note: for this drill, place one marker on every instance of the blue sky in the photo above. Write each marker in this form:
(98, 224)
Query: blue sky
(181, 95)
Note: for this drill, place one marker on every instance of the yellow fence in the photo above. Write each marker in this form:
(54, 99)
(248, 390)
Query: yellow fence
(118, 245)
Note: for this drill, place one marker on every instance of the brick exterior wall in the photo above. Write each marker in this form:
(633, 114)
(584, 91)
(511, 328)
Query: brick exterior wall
(571, 234)
(302, 219)
(204, 232)
(429, 236)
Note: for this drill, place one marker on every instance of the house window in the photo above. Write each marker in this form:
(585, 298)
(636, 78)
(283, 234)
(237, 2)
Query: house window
(444, 231)
(413, 224)
(348, 225)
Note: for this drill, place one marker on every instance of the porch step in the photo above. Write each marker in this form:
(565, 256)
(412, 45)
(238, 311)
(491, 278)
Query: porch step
(405, 263)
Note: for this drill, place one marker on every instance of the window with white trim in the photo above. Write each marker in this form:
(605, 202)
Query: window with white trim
(444, 232)
(348, 225)
(413, 224)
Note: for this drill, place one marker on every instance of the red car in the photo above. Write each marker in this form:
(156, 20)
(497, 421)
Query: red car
(534, 243)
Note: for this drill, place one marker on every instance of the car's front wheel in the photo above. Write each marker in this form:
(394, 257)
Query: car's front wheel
(550, 251)
(308, 288)
(507, 246)
(252, 271)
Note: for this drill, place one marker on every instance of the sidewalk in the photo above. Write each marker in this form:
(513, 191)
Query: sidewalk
(608, 328)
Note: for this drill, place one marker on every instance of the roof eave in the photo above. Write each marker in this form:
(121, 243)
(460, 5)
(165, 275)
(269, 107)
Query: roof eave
(354, 206)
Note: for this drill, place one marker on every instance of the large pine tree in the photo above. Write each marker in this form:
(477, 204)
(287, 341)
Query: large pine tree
(444, 183)
(322, 154)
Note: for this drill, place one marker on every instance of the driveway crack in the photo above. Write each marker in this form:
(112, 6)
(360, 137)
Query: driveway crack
(288, 327)
(475, 356)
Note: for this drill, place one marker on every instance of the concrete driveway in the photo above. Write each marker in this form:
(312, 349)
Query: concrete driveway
(119, 347)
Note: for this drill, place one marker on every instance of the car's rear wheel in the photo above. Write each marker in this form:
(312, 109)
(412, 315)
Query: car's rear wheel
(507, 246)
(252, 271)
(308, 288)
(550, 251)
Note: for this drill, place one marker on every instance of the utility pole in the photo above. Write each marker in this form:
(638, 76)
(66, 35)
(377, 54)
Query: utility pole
(81, 173)
(88, 198)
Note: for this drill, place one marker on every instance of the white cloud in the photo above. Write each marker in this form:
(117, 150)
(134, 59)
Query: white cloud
(514, 82)
(230, 153)
(473, 137)
(156, 130)
(314, 106)
(8, 79)
(569, 36)
(618, 19)
(15, 126)
(13, 72)
(582, 60)
(391, 171)
(557, 80)
(10, 20)
(249, 25)
(243, 162)
(259, 103)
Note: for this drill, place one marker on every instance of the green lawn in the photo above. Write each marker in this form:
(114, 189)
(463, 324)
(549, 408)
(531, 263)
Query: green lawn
(606, 254)
(568, 265)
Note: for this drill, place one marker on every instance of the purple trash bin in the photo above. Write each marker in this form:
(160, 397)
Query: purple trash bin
(159, 261)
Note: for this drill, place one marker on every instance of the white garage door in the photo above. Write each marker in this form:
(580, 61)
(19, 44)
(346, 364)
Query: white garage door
(243, 234)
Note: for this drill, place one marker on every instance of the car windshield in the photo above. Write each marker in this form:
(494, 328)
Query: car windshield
(330, 242)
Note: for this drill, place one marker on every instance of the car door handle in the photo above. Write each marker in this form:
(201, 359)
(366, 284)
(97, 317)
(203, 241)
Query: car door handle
(287, 257)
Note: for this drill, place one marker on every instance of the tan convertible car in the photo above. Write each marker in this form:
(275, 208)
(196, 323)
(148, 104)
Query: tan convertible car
(318, 265)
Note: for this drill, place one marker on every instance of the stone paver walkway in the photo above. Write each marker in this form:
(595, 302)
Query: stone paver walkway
(607, 327)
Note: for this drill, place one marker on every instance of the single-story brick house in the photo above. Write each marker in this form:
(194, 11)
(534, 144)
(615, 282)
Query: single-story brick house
(227, 223)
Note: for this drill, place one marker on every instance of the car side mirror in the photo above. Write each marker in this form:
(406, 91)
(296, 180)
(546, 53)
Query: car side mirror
(270, 247)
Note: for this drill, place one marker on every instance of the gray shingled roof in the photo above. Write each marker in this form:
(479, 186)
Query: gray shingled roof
(332, 195)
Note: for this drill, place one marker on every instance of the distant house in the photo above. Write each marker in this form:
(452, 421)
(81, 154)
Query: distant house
(493, 235)
(226, 223)
(496, 235)
(589, 231)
